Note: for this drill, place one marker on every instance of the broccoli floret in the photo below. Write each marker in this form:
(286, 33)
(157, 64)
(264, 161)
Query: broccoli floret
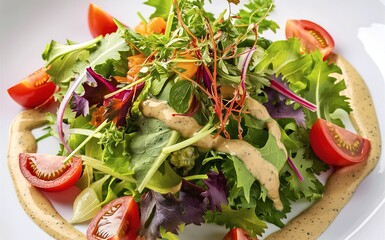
(184, 159)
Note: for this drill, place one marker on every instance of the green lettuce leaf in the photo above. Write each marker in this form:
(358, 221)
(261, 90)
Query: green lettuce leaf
(162, 7)
(242, 218)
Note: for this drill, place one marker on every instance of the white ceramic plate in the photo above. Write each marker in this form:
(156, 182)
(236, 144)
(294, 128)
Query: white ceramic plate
(358, 28)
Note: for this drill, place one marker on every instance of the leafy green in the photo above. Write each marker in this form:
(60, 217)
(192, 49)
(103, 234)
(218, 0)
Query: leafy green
(255, 12)
(240, 218)
(245, 179)
(162, 7)
(146, 149)
(180, 96)
(325, 91)
(310, 187)
(70, 61)
(272, 153)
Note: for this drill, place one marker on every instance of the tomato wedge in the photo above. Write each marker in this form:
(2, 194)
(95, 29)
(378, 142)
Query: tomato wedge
(34, 90)
(99, 21)
(117, 220)
(337, 146)
(238, 234)
(311, 35)
(48, 172)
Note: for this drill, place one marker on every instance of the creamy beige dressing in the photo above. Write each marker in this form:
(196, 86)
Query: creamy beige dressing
(265, 172)
(308, 225)
(342, 184)
(35, 204)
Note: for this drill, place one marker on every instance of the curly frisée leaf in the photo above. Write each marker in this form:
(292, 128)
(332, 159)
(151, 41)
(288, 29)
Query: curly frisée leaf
(241, 218)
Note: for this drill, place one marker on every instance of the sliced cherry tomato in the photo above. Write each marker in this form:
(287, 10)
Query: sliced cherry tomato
(48, 172)
(238, 234)
(34, 90)
(311, 35)
(100, 22)
(337, 146)
(117, 220)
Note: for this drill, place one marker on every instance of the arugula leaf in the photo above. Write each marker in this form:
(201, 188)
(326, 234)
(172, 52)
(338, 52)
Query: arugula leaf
(244, 179)
(241, 218)
(272, 153)
(69, 62)
(162, 7)
(55, 50)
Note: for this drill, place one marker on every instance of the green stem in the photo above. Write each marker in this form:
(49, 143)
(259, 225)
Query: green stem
(99, 165)
(170, 19)
(43, 137)
(84, 142)
(142, 17)
(85, 132)
(204, 132)
(196, 177)
(127, 87)
(158, 161)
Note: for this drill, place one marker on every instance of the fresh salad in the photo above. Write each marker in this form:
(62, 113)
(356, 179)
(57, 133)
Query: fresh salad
(189, 118)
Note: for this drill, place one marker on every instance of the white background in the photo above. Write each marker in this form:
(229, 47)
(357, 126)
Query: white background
(358, 28)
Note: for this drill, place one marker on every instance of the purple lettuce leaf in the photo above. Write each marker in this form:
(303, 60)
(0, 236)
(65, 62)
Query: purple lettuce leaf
(217, 190)
(159, 210)
(96, 87)
(193, 202)
(118, 106)
(277, 107)
(80, 105)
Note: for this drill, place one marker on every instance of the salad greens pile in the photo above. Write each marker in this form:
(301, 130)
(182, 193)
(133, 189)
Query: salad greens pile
(174, 182)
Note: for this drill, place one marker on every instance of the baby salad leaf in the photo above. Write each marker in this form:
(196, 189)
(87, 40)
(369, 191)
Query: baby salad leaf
(217, 190)
(272, 153)
(68, 61)
(146, 149)
(180, 96)
(242, 218)
(254, 12)
(325, 91)
(162, 7)
(244, 178)
(159, 210)
(310, 186)
(55, 50)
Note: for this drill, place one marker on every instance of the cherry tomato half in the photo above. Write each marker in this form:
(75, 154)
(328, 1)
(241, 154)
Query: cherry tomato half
(117, 220)
(100, 22)
(34, 90)
(311, 36)
(48, 172)
(337, 146)
(238, 234)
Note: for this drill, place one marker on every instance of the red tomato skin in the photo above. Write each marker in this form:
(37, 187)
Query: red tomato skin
(130, 216)
(65, 181)
(238, 234)
(100, 22)
(34, 90)
(303, 30)
(325, 148)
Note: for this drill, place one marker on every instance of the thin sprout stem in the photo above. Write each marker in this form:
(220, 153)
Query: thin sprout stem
(196, 177)
(85, 142)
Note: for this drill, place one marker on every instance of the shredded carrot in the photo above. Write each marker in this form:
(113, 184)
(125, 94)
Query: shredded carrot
(98, 116)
